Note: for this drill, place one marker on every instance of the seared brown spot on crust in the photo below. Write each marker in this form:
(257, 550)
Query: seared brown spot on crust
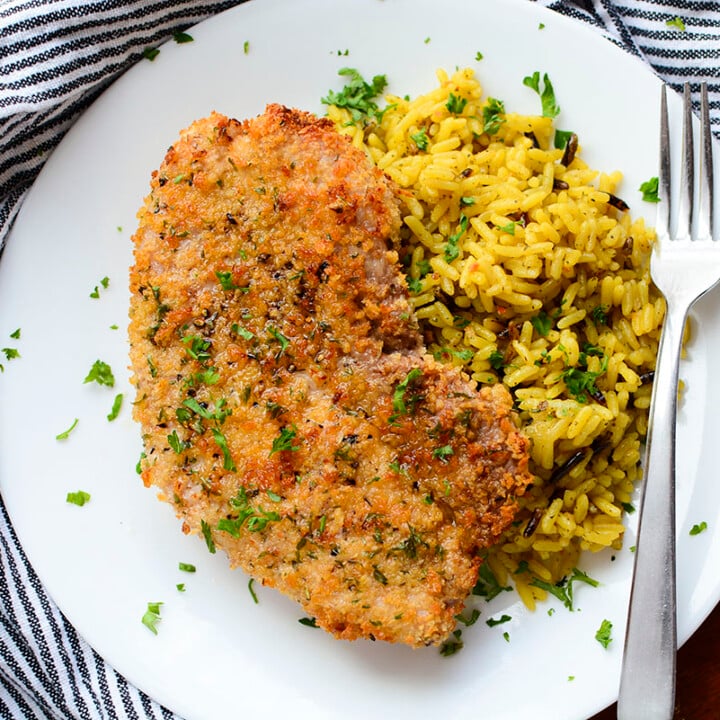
(287, 403)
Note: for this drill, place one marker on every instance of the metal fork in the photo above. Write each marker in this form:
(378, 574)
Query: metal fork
(685, 264)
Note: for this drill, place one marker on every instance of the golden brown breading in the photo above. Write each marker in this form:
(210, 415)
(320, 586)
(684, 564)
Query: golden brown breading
(288, 408)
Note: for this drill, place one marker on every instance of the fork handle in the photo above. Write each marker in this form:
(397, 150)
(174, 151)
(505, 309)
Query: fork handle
(647, 682)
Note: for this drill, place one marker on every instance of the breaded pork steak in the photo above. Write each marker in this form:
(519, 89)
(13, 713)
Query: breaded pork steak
(288, 408)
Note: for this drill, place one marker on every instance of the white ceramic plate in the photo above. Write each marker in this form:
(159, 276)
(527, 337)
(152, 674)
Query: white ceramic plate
(217, 652)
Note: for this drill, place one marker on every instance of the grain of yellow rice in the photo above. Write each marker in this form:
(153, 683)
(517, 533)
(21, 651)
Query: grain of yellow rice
(548, 279)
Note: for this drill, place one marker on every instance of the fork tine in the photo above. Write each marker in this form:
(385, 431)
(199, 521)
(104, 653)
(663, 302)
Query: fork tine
(705, 212)
(662, 221)
(687, 172)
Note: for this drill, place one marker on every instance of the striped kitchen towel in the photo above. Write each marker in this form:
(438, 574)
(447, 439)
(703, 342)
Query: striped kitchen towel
(56, 56)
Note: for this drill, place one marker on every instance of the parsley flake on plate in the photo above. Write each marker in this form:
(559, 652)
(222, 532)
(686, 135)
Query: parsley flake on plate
(698, 528)
(358, 96)
(604, 632)
(78, 498)
(182, 37)
(66, 433)
(649, 190)
(152, 616)
(550, 108)
(115, 410)
(101, 373)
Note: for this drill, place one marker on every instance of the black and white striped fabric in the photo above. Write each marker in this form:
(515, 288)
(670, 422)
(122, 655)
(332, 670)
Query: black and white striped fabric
(56, 56)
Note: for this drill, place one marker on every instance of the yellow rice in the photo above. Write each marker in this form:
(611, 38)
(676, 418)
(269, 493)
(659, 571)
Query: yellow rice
(535, 240)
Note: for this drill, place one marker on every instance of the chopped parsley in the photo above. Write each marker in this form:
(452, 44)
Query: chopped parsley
(251, 590)
(467, 622)
(186, 567)
(550, 108)
(284, 441)
(649, 190)
(221, 442)
(677, 22)
(400, 404)
(78, 498)
(487, 585)
(100, 373)
(562, 137)
(542, 323)
(179, 446)
(308, 622)
(451, 248)
(563, 590)
(150, 53)
(115, 410)
(246, 47)
(509, 228)
(603, 634)
(358, 96)
(455, 104)
(493, 112)
(698, 528)
(492, 622)
(66, 433)
(15, 335)
(152, 616)
(242, 332)
(255, 519)
(182, 37)
(453, 646)
(207, 534)
(180, 587)
(496, 360)
(443, 453)
(599, 314)
(225, 278)
(478, 56)
(11, 353)
(580, 382)
(420, 138)
(197, 348)
(284, 342)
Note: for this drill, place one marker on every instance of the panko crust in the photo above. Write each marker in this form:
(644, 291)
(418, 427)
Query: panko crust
(288, 408)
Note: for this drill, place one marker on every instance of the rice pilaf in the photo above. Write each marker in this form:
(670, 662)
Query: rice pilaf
(525, 268)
